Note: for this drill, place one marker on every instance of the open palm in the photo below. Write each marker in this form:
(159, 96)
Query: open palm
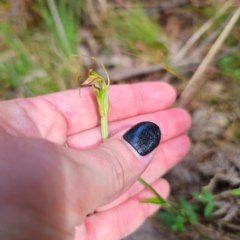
(64, 118)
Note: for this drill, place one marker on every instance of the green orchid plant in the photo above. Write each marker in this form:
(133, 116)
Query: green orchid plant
(101, 88)
(179, 216)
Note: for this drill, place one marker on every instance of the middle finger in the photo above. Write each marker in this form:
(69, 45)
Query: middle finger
(172, 122)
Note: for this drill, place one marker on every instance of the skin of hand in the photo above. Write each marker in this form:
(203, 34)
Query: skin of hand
(50, 191)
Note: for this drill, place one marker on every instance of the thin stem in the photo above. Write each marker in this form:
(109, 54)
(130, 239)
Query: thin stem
(104, 128)
(153, 190)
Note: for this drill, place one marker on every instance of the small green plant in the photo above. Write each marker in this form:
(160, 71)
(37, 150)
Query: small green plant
(101, 89)
(178, 216)
(207, 198)
(175, 217)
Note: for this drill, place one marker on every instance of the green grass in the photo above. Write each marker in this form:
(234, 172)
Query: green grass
(139, 34)
(39, 56)
(36, 61)
(70, 21)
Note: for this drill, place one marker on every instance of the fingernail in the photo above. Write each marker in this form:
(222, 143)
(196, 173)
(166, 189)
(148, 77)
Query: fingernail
(143, 137)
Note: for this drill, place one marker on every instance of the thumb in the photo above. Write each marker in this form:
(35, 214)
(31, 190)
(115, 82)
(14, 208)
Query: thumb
(108, 171)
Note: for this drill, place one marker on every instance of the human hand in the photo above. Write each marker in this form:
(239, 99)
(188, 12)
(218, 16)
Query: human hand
(47, 189)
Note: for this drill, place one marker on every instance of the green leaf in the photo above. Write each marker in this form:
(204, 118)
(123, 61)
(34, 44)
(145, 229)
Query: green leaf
(161, 200)
(209, 209)
(187, 206)
(179, 225)
(193, 218)
(152, 200)
(206, 196)
(236, 192)
(188, 211)
(167, 218)
(195, 194)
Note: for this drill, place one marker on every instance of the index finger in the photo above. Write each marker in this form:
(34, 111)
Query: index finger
(81, 113)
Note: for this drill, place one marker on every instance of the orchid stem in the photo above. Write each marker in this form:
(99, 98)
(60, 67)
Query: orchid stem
(104, 128)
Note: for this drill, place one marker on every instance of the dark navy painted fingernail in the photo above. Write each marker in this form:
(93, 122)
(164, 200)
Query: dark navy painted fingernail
(143, 137)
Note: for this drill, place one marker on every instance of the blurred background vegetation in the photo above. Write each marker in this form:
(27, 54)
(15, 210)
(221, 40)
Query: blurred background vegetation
(136, 41)
(37, 38)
